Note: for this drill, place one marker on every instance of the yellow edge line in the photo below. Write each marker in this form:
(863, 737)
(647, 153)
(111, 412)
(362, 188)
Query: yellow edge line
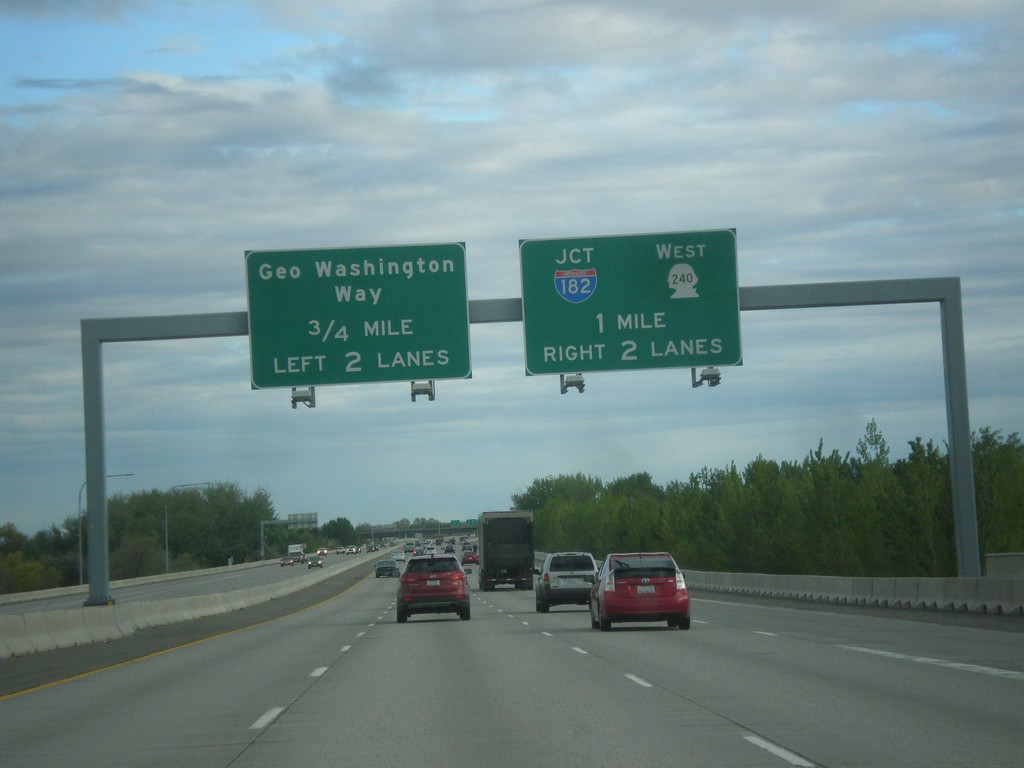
(44, 686)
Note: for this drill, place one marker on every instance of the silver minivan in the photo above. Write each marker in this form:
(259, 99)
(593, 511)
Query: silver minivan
(565, 578)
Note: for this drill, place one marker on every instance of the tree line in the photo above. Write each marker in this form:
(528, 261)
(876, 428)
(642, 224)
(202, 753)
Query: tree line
(828, 514)
(205, 527)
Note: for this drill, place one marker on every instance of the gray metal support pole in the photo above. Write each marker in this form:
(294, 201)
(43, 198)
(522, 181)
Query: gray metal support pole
(958, 424)
(95, 468)
(94, 334)
(946, 292)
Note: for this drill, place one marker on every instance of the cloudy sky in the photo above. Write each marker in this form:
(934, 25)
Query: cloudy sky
(145, 146)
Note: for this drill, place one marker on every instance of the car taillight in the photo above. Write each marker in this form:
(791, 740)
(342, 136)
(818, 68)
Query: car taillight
(609, 583)
(547, 578)
(680, 582)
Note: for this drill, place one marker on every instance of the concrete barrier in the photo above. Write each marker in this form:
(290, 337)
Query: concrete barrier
(33, 632)
(978, 595)
(39, 631)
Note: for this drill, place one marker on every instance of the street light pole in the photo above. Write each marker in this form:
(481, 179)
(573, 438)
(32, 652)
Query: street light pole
(167, 549)
(81, 575)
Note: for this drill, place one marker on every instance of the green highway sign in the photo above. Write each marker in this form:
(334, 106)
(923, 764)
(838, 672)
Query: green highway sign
(357, 315)
(630, 302)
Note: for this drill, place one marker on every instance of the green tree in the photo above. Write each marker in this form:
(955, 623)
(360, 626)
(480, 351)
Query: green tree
(579, 488)
(339, 530)
(999, 480)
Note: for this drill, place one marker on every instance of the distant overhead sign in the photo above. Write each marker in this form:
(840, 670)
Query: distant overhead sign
(630, 302)
(357, 315)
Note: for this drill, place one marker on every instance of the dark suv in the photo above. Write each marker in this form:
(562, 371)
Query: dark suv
(565, 578)
(433, 584)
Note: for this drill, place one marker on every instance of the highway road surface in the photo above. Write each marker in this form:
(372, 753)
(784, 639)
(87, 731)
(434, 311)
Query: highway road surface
(336, 681)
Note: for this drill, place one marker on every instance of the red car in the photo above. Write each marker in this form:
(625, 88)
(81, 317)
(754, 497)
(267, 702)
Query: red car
(639, 586)
(470, 558)
(433, 584)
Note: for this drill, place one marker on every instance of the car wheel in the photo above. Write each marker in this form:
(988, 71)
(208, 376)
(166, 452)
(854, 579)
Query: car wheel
(464, 614)
(603, 624)
(594, 624)
(684, 622)
(402, 617)
(542, 607)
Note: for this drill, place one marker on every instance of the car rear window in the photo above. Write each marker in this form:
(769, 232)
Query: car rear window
(628, 567)
(436, 565)
(571, 563)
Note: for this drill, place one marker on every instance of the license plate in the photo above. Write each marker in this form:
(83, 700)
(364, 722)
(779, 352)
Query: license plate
(433, 582)
(645, 589)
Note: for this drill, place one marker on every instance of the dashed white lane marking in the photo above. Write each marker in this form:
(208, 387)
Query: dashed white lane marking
(580, 650)
(268, 717)
(1009, 674)
(639, 680)
(766, 634)
(318, 671)
(548, 634)
(778, 751)
(346, 648)
(360, 634)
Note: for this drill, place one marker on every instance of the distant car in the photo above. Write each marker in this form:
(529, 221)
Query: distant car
(372, 548)
(398, 555)
(339, 551)
(639, 586)
(322, 551)
(470, 558)
(433, 584)
(314, 561)
(387, 568)
(565, 578)
(288, 560)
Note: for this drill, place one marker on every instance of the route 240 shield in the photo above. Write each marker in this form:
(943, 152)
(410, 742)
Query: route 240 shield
(575, 285)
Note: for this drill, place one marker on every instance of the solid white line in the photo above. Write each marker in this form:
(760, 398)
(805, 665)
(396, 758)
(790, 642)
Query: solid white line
(268, 717)
(318, 671)
(346, 648)
(638, 680)
(580, 650)
(778, 751)
(1009, 674)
